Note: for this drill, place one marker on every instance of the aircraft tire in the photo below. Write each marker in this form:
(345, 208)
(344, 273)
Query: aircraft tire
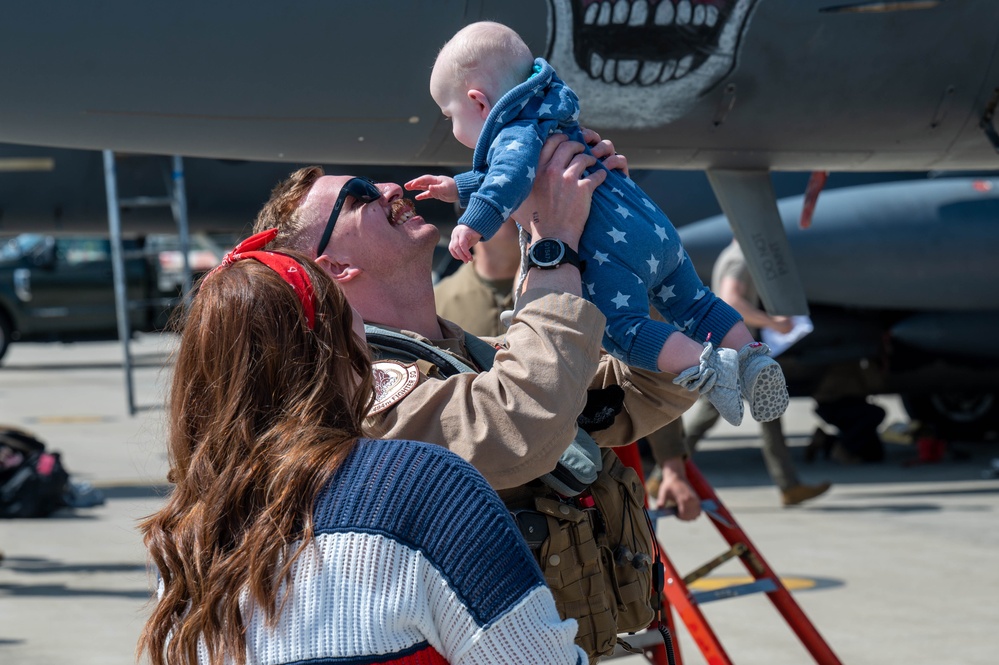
(956, 416)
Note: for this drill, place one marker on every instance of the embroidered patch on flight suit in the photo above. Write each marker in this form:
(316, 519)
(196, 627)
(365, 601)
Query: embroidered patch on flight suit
(393, 381)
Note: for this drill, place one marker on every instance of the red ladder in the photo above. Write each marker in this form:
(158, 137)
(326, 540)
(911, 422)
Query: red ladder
(687, 604)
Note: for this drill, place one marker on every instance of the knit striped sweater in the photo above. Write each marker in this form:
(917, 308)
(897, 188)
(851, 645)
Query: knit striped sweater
(416, 560)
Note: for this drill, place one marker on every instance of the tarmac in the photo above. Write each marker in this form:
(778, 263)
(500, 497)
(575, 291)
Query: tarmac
(898, 563)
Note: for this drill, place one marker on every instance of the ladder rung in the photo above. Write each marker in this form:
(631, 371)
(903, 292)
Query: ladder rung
(145, 201)
(643, 639)
(736, 550)
(765, 585)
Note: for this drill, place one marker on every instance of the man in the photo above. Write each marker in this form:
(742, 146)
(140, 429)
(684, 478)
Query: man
(380, 254)
(515, 420)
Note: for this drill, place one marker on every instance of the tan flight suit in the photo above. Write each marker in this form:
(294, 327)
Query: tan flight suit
(514, 421)
(475, 303)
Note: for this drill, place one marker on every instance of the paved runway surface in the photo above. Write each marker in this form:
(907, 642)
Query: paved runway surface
(897, 564)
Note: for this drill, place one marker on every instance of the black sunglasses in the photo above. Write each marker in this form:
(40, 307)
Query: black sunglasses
(361, 189)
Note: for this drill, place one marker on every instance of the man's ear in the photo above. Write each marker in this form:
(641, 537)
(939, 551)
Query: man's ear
(481, 102)
(340, 272)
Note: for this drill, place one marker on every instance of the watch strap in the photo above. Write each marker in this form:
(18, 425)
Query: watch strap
(569, 255)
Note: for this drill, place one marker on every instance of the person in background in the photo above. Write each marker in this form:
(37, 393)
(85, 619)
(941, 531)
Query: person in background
(289, 536)
(731, 280)
(841, 401)
(476, 294)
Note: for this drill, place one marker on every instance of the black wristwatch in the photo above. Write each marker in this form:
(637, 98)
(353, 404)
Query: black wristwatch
(548, 253)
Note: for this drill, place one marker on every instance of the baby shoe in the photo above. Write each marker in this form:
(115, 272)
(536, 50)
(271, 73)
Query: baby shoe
(762, 383)
(717, 378)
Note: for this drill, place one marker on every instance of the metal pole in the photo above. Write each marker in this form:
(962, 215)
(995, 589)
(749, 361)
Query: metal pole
(118, 271)
(179, 207)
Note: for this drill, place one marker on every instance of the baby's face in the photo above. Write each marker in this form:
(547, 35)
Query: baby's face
(467, 115)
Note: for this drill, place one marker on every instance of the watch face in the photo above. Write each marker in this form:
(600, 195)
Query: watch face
(547, 252)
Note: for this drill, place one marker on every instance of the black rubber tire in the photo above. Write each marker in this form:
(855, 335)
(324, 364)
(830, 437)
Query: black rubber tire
(957, 416)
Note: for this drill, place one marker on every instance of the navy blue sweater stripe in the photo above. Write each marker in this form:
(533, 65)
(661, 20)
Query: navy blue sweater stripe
(428, 510)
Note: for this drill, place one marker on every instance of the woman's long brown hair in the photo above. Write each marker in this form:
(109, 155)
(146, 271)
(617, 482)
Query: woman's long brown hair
(262, 412)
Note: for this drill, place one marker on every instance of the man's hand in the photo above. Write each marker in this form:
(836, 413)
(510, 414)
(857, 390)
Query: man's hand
(604, 151)
(463, 238)
(440, 187)
(560, 201)
(675, 490)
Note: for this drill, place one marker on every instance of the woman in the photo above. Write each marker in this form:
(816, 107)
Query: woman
(288, 537)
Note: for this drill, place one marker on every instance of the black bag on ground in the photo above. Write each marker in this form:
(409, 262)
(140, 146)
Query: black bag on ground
(32, 481)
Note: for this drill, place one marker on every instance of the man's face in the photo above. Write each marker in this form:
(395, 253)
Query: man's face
(382, 237)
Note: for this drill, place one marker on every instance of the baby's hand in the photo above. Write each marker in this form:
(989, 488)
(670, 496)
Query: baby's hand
(463, 238)
(440, 187)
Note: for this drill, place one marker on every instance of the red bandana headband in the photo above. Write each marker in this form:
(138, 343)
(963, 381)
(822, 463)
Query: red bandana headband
(291, 270)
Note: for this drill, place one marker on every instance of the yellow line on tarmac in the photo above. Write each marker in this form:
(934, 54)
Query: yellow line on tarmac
(70, 419)
(724, 581)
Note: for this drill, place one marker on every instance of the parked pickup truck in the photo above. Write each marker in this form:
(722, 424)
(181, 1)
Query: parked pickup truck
(61, 287)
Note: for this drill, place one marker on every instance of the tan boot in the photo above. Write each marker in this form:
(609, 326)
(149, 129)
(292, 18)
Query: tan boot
(801, 493)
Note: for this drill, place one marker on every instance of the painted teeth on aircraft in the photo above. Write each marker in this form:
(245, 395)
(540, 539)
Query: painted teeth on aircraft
(647, 72)
(596, 65)
(620, 14)
(605, 13)
(683, 12)
(650, 72)
(636, 13)
(668, 70)
(627, 70)
(609, 66)
(712, 16)
(623, 12)
(664, 13)
(639, 13)
(699, 15)
(684, 66)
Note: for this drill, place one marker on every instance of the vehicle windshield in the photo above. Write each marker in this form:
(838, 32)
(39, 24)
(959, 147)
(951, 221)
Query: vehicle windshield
(20, 245)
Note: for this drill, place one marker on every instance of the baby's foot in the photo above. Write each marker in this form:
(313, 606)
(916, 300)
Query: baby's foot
(762, 383)
(717, 378)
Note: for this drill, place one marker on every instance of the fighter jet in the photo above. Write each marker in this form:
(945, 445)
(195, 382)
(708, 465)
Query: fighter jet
(901, 281)
(736, 87)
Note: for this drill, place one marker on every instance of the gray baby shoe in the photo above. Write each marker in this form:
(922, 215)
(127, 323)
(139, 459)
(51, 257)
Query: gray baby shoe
(717, 378)
(762, 383)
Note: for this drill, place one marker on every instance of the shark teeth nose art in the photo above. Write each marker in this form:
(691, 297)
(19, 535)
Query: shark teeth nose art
(643, 42)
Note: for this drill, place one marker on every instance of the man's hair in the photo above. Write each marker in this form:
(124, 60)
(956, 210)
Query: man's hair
(285, 211)
(486, 54)
(262, 411)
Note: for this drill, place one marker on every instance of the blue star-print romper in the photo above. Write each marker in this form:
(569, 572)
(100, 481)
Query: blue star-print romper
(633, 254)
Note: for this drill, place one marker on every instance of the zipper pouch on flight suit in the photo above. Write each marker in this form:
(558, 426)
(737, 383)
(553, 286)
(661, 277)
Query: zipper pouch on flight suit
(625, 542)
(574, 565)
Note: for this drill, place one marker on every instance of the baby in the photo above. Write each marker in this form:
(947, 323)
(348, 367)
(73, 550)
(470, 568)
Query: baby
(504, 103)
